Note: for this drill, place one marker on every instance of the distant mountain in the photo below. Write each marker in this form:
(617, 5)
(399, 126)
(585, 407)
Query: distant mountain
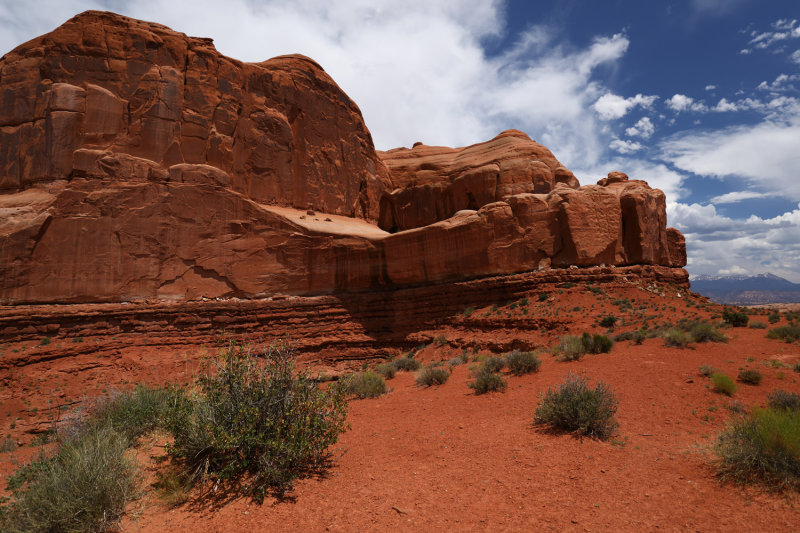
(747, 290)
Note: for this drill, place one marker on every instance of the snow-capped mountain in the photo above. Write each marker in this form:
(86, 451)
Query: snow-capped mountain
(747, 290)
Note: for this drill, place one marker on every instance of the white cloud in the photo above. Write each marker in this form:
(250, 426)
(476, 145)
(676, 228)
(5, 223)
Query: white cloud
(710, 87)
(735, 270)
(643, 128)
(625, 147)
(781, 83)
(611, 106)
(765, 153)
(738, 196)
(723, 105)
(681, 102)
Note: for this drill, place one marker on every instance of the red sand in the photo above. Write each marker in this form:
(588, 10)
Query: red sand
(444, 459)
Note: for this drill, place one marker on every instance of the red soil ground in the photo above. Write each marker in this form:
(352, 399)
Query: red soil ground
(442, 458)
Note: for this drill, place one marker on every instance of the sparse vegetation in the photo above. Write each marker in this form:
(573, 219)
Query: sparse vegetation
(774, 317)
(637, 336)
(520, 363)
(608, 321)
(676, 338)
(570, 348)
(762, 447)
(573, 406)
(494, 364)
(486, 381)
(430, 376)
(755, 324)
(363, 385)
(707, 370)
(780, 399)
(387, 370)
(788, 333)
(749, 376)
(440, 340)
(735, 318)
(706, 332)
(407, 363)
(722, 384)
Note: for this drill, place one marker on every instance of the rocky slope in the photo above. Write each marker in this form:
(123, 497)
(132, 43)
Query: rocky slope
(139, 163)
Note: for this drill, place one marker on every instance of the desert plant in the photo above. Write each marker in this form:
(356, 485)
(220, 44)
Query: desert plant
(735, 318)
(707, 370)
(706, 332)
(522, 362)
(570, 348)
(780, 399)
(574, 406)
(596, 343)
(676, 338)
(84, 486)
(722, 383)
(387, 370)
(430, 376)
(608, 321)
(755, 324)
(440, 340)
(407, 363)
(136, 412)
(494, 364)
(363, 385)
(762, 447)
(259, 421)
(487, 382)
(788, 333)
(774, 317)
(749, 376)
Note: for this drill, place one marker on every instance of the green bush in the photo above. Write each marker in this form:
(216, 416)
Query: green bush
(755, 324)
(723, 384)
(363, 385)
(430, 376)
(83, 487)
(763, 447)
(487, 382)
(677, 338)
(407, 364)
(787, 333)
(387, 370)
(735, 318)
(608, 321)
(570, 348)
(751, 377)
(260, 422)
(637, 336)
(774, 317)
(522, 362)
(780, 399)
(573, 406)
(494, 364)
(596, 343)
(706, 332)
(139, 411)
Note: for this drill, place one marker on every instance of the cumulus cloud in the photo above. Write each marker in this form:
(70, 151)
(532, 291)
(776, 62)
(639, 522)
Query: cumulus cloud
(625, 147)
(644, 128)
(681, 102)
(781, 83)
(611, 106)
(724, 105)
(735, 270)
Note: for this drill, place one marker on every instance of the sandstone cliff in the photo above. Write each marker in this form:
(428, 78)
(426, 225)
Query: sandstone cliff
(137, 162)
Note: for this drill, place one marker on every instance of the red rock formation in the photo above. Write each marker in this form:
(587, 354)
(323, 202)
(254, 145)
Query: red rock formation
(137, 163)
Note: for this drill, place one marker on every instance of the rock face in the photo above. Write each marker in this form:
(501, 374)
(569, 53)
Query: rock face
(137, 162)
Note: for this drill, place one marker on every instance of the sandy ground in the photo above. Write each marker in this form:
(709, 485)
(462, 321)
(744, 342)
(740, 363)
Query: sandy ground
(443, 459)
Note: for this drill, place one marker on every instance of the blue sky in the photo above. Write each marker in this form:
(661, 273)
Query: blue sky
(701, 98)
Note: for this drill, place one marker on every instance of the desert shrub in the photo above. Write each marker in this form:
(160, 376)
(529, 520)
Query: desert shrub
(707, 370)
(755, 324)
(774, 317)
(735, 318)
(363, 385)
(763, 447)
(676, 338)
(493, 364)
(751, 377)
(787, 333)
(487, 382)
(574, 406)
(597, 343)
(407, 363)
(387, 370)
(82, 487)
(440, 340)
(468, 311)
(780, 399)
(570, 348)
(722, 383)
(522, 362)
(608, 321)
(430, 376)
(637, 336)
(259, 421)
(45, 341)
(139, 411)
(706, 332)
